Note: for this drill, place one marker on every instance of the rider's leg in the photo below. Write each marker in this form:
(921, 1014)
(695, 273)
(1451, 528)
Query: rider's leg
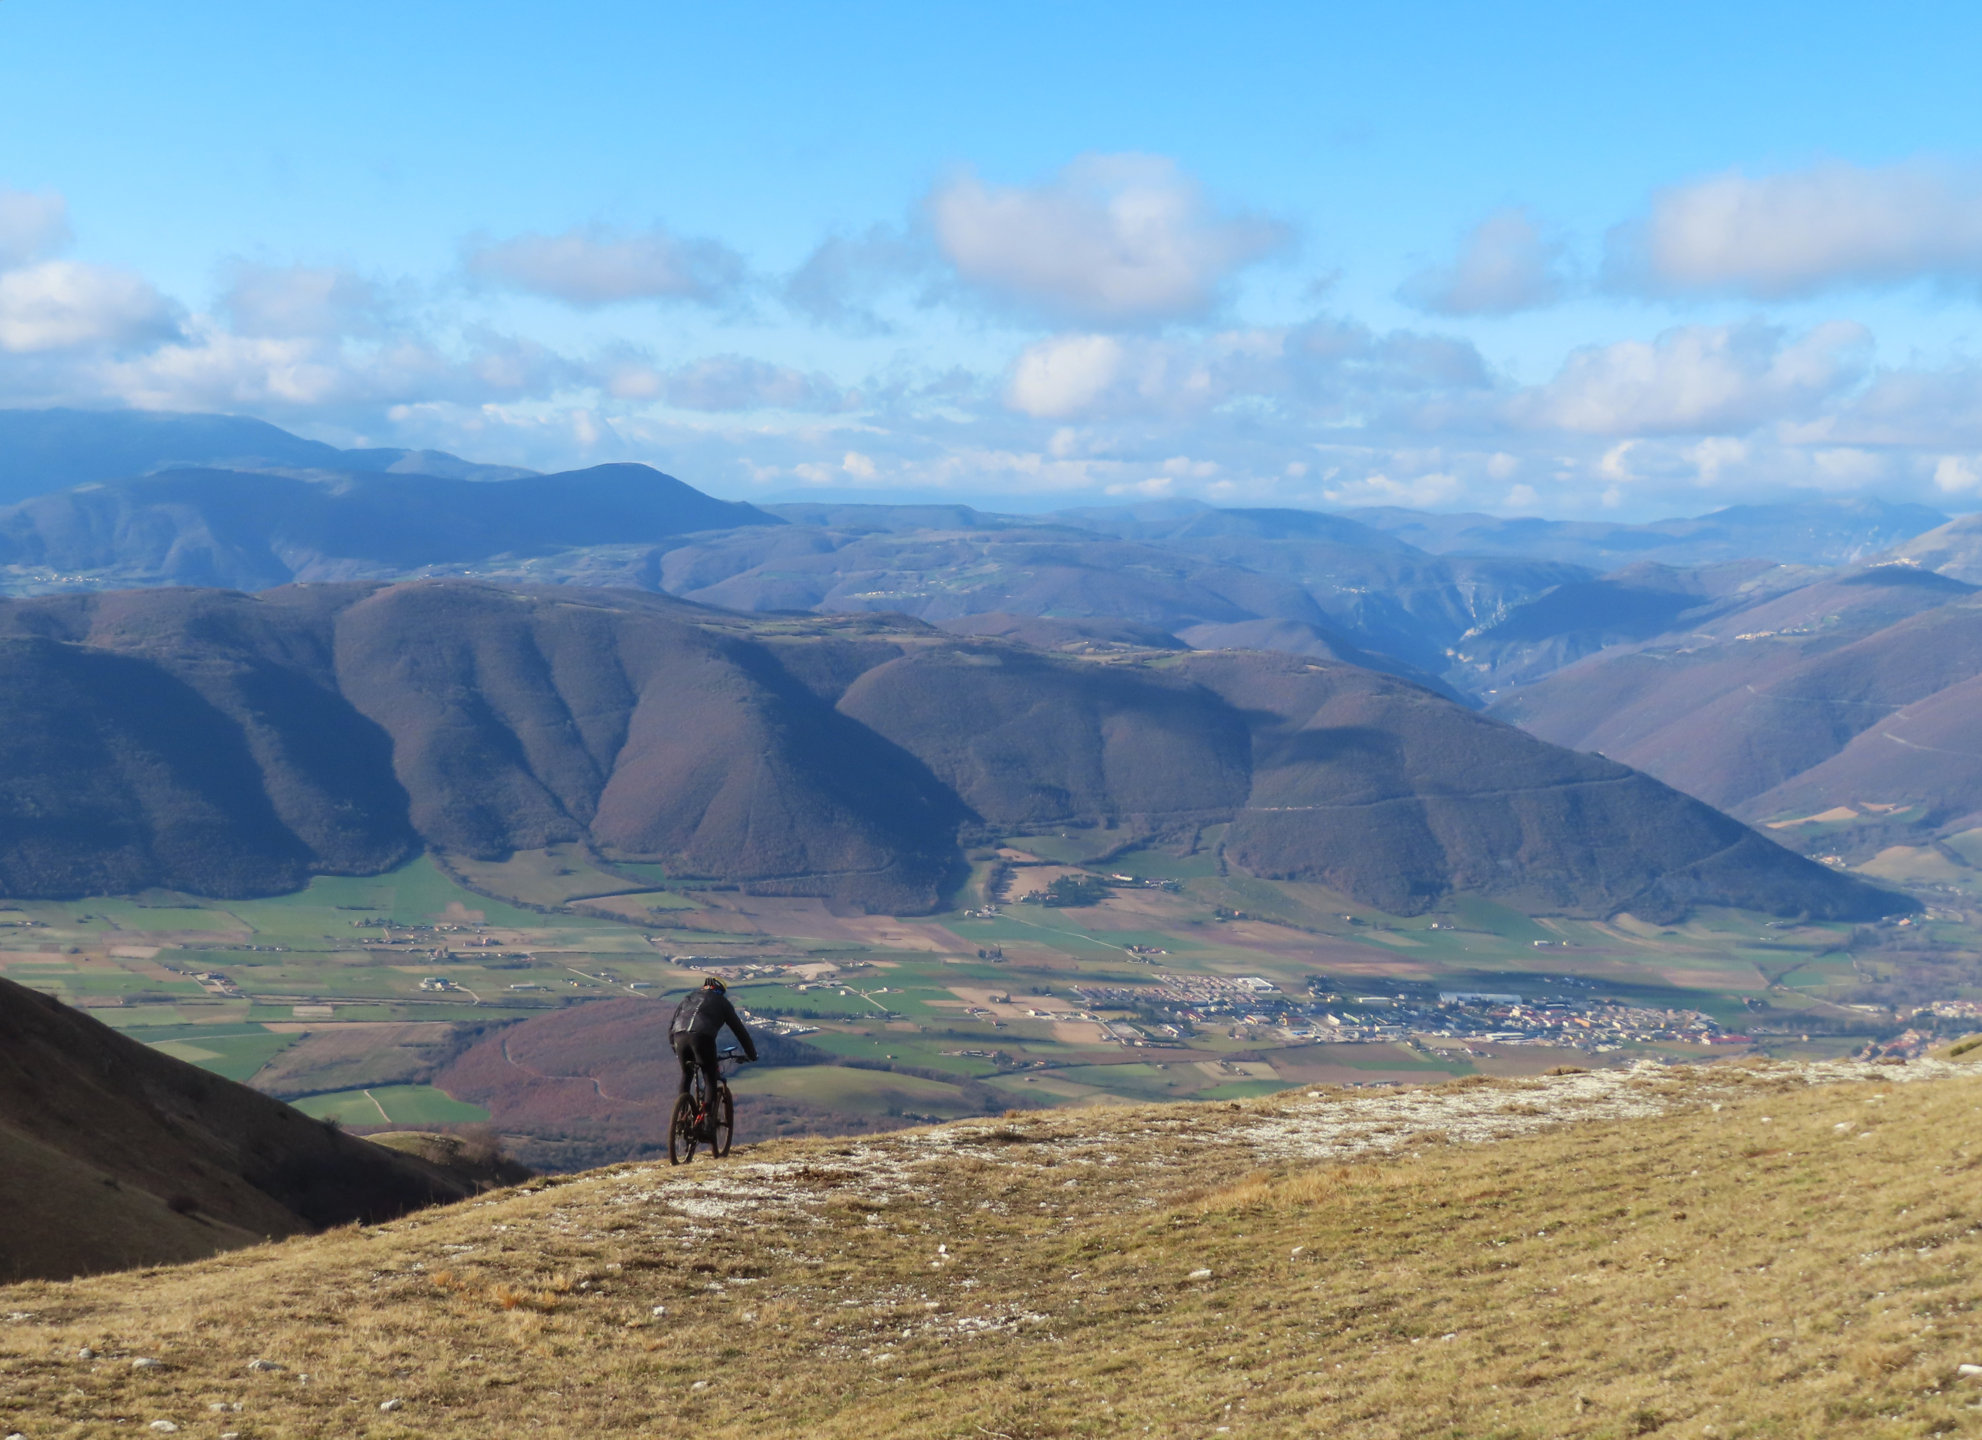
(712, 1075)
(684, 1051)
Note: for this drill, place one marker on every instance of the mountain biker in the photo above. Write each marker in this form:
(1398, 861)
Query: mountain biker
(697, 1021)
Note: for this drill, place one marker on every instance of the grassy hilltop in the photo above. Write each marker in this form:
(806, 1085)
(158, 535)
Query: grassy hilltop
(1725, 1251)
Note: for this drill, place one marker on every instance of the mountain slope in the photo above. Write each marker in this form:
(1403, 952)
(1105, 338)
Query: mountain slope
(1756, 709)
(113, 1155)
(1781, 1250)
(229, 744)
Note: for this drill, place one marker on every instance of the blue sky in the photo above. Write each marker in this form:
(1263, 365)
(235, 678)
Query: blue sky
(1535, 259)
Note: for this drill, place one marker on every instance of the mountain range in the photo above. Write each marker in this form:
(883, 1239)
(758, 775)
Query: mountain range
(1802, 657)
(229, 744)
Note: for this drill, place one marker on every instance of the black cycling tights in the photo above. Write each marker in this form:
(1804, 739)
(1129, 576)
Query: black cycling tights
(694, 1050)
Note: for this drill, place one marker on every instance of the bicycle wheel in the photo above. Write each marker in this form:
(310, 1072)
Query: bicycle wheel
(725, 1112)
(681, 1132)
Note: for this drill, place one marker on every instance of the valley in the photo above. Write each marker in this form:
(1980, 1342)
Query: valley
(531, 995)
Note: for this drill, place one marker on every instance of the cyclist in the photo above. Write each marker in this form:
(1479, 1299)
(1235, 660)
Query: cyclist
(697, 1021)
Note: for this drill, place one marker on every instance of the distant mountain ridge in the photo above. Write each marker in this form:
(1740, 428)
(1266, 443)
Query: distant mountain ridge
(251, 530)
(47, 450)
(228, 745)
(1826, 530)
(1469, 604)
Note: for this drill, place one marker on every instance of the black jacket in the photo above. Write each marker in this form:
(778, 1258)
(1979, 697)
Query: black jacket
(703, 1014)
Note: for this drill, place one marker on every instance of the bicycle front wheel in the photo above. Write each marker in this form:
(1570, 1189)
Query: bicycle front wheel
(725, 1115)
(681, 1132)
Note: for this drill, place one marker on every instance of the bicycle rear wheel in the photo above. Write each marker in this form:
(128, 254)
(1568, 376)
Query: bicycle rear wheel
(725, 1116)
(681, 1132)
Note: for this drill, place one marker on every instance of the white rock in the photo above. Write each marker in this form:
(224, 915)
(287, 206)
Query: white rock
(17, 1435)
(85, 1353)
(1968, 1369)
(259, 1365)
(1199, 1275)
(165, 1427)
(699, 1385)
(145, 1362)
(660, 1309)
(390, 1405)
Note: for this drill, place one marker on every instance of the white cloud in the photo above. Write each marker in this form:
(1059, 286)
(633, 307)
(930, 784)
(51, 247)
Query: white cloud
(32, 227)
(1797, 233)
(1112, 239)
(1958, 474)
(725, 382)
(1504, 265)
(300, 300)
(1323, 369)
(212, 368)
(67, 305)
(1697, 379)
(592, 266)
(1065, 375)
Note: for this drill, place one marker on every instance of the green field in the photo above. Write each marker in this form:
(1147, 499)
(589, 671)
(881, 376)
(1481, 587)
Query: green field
(234, 1054)
(392, 1104)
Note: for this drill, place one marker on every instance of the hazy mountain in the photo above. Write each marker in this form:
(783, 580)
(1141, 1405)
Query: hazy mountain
(113, 1155)
(228, 744)
(1839, 530)
(1535, 637)
(44, 450)
(1953, 549)
(249, 530)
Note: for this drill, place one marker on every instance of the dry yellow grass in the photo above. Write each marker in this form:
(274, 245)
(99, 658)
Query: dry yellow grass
(1731, 1252)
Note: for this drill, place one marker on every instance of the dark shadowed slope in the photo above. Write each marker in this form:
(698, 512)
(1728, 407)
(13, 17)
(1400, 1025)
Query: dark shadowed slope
(113, 1155)
(1383, 791)
(231, 744)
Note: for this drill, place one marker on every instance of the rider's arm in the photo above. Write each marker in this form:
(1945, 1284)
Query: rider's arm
(735, 1023)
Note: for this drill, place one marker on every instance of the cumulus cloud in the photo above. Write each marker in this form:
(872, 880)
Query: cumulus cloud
(1324, 369)
(1111, 240)
(725, 383)
(1698, 379)
(212, 368)
(1776, 236)
(32, 227)
(1505, 265)
(592, 266)
(298, 300)
(67, 305)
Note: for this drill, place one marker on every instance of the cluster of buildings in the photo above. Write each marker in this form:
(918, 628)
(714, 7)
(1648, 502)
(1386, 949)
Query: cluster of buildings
(1257, 1009)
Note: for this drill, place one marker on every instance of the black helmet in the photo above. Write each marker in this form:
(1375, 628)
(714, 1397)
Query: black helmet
(712, 983)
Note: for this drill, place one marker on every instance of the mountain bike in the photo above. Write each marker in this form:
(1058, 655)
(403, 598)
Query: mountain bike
(701, 1118)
